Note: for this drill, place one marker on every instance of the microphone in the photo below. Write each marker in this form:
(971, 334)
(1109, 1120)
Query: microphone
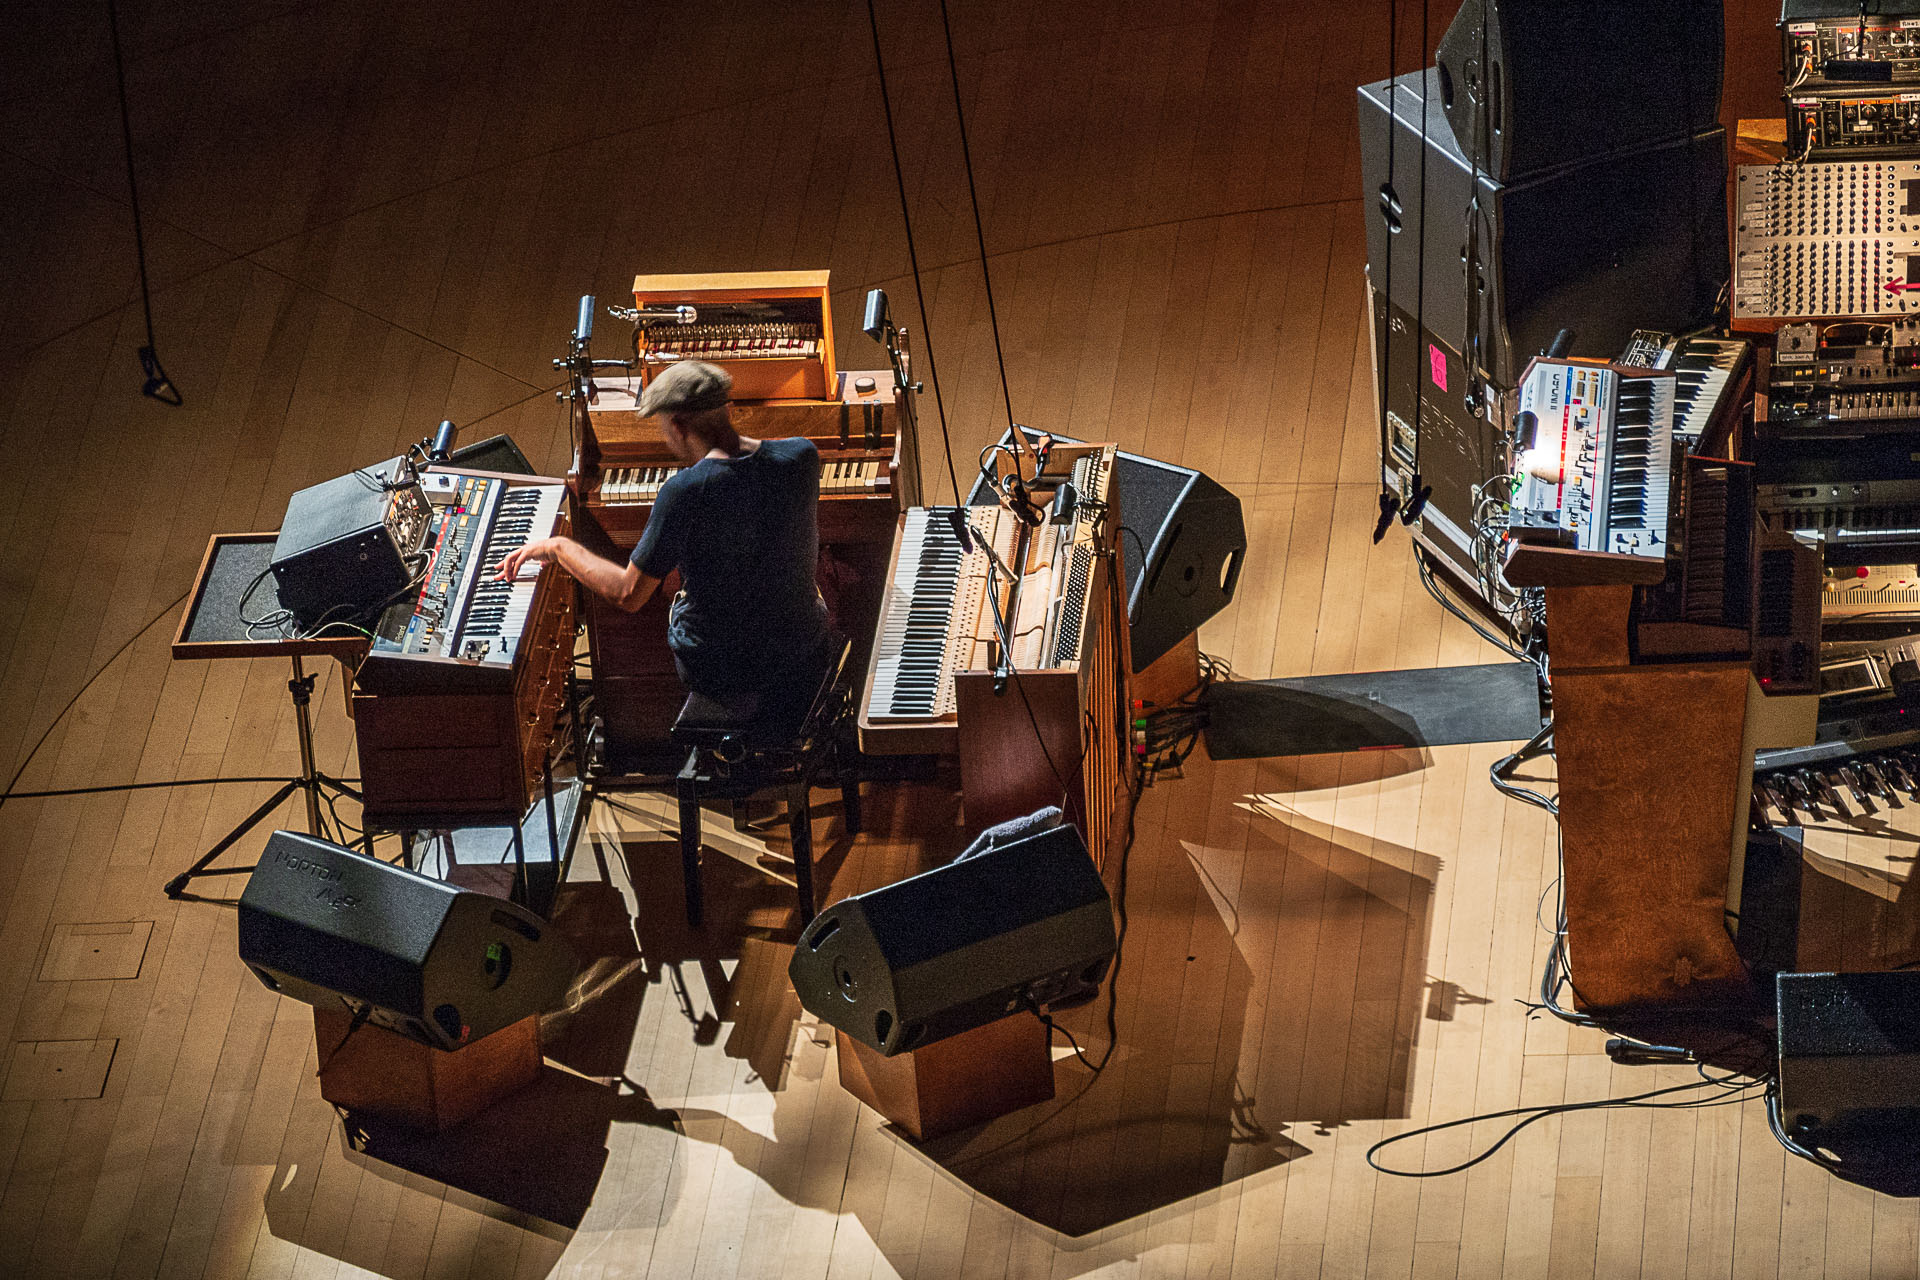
(679, 315)
(1065, 501)
(962, 530)
(443, 441)
(874, 323)
(583, 327)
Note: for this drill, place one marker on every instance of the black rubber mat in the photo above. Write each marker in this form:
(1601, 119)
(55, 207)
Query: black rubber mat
(1253, 719)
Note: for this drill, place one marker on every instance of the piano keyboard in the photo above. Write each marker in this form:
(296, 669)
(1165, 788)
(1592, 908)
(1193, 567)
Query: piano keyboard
(493, 613)
(624, 485)
(1639, 469)
(849, 475)
(1704, 368)
(926, 632)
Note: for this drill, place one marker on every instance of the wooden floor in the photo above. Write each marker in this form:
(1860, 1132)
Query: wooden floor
(361, 218)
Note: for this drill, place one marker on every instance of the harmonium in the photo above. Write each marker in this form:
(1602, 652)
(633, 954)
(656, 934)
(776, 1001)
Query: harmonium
(455, 703)
(1000, 644)
(773, 331)
(621, 461)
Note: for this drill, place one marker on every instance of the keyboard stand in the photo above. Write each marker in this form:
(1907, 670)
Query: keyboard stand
(211, 628)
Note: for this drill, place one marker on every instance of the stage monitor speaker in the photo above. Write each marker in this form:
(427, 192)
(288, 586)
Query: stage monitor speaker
(445, 966)
(1027, 922)
(1635, 240)
(1565, 82)
(495, 453)
(1849, 1055)
(1182, 547)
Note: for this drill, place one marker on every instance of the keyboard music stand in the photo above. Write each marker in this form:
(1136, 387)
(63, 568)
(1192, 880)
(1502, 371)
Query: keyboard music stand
(211, 627)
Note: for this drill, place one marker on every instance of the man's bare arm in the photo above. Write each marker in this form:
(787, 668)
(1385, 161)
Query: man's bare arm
(621, 585)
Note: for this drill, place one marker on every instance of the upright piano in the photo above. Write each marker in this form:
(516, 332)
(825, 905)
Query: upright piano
(1018, 674)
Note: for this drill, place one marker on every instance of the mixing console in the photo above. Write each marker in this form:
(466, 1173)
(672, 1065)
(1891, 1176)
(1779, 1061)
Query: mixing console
(1830, 239)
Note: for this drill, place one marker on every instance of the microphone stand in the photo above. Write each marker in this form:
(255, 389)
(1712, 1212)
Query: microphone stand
(964, 531)
(904, 390)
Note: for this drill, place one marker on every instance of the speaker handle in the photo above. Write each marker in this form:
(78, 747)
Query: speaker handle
(1232, 580)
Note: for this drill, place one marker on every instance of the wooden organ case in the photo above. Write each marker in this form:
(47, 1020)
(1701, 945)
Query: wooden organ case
(1048, 731)
(772, 331)
(455, 703)
(620, 463)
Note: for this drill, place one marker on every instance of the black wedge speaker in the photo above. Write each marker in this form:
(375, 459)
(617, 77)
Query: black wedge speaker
(1555, 82)
(1849, 1056)
(1027, 922)
(1182, 542)
(495, 453)
(445, 966)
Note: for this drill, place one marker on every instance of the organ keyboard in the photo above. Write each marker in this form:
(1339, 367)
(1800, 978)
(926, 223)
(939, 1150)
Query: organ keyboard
(1594, 499)
(941, 681)
(454, 705)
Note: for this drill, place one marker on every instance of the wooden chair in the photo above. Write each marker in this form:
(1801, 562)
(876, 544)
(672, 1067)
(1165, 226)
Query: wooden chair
(744, 747)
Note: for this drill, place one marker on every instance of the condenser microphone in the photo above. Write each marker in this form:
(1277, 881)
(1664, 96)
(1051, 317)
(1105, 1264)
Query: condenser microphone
(679, 315)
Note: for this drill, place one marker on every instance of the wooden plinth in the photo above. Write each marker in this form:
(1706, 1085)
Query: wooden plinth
(387, 1075)
(953, 1083)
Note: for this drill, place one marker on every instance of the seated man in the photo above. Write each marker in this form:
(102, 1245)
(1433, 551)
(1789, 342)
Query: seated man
(739, 523)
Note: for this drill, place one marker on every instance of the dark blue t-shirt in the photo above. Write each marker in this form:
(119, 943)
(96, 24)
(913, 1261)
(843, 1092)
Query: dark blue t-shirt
(744, 535)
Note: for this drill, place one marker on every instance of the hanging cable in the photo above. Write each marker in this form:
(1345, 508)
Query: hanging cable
(973, 198)
(913, 257)
(158, 385)
(1389, 212)
(1418, 490)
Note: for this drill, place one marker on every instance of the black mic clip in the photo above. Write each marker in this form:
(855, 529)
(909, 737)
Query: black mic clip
(1020, 502)
(1411, 509)
(1389, 508)
(158, 385)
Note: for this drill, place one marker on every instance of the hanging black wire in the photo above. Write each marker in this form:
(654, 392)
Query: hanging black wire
(1418, 490)
(1389, 213)
(973, 198)
(158, 385)
(913, 257)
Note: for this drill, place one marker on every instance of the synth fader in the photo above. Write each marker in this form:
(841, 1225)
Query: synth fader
(1838, 238)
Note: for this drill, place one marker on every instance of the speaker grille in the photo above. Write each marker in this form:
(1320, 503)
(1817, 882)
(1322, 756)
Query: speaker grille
(1149, 492)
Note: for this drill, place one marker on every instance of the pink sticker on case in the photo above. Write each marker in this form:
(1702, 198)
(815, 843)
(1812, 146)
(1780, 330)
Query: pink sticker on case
(1437, 363)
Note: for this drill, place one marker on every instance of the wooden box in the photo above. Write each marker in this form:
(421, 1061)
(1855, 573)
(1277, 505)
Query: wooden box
(953, 1083)
(383, 1074)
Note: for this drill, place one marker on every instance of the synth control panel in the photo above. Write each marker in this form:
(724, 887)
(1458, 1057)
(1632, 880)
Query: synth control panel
(1836, 238)
(1844, 379)
(1856, 122)
(1809, 45)
(462, 513)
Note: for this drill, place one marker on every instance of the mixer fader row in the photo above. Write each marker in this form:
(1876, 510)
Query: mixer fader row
(1828, 239)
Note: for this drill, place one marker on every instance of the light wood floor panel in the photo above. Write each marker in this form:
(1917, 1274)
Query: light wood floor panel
(362, 220)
